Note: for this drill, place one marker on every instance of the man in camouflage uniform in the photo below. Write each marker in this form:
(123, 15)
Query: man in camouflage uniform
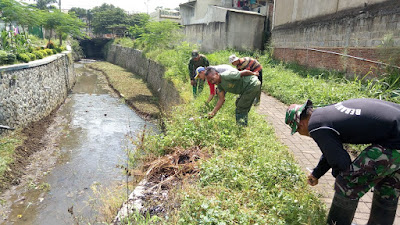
(355, 121)
(197, 60)
(244, 83)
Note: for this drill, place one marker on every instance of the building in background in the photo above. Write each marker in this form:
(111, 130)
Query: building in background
(166, 14)
(221, 24)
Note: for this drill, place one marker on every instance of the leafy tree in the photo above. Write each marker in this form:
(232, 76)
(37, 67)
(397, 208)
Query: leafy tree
(140, 19)
(105, 16)
(42, 4)
(10, 10)
(162, 34)
(138, 22)
(62, 23)
(79, 12)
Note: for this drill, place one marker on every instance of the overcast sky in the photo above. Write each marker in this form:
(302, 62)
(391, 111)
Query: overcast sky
(127, 5)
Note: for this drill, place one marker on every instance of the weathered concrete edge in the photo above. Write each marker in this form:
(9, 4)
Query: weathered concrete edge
(35, 63)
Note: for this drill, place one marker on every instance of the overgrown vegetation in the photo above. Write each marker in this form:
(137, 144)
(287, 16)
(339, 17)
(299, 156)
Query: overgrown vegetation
(250, 179)
(131, 87)
(7, 145)
(295, 84)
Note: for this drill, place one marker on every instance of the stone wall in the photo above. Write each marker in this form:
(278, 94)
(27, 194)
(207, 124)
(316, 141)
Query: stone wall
(151, 72)
(349, 41)
(30, 91)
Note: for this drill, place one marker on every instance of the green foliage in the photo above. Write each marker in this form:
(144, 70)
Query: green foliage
(77, 52)
(43, 4)
(136, 218)
(58, 49)
(294, 84)
(159, 35)
(23, 57)
(8, 58)
(105, 16)
(38, 54)
(50, 45)
(7, 147)
(79, 12)
(250, 179)
(31, 56)
(125, 42)
(62, 23)
(48, 51)
(54, 51)
(44, 52)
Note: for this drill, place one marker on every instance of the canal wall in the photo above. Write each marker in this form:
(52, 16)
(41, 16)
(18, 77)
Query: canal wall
(151, 72)
(31, 91)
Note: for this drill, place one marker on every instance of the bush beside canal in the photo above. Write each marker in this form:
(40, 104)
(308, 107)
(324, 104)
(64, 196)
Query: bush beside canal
(250, 178)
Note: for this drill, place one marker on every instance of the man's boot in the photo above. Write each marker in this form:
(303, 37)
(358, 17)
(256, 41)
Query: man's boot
(342, 210)
(383, 211)
(241, 119)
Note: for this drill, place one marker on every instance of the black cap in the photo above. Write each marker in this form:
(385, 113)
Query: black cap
(195, 53)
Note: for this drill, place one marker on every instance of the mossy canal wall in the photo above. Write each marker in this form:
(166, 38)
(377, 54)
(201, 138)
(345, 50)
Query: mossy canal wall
(151, 72)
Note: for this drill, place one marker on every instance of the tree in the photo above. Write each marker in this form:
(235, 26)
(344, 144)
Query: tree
(162, 34)
(10, 10)
(79, 12)
(106, 16)
(42, 4)
(62, 23)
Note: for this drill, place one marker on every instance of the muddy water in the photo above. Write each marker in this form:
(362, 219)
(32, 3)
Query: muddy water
(93, 142)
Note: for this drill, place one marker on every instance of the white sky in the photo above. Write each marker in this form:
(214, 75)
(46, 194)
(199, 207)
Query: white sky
(127, 5)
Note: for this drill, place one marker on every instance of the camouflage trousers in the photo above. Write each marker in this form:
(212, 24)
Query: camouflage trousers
(375, 167)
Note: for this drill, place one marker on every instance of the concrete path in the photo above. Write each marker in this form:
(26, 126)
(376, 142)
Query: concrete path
(307, 154)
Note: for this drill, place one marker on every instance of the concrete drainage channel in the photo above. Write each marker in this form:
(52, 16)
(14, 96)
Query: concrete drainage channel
(92, 129)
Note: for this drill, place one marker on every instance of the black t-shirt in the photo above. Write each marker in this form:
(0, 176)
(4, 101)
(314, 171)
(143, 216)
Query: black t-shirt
(355, 121)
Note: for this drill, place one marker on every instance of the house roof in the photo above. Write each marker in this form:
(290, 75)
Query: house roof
(189, 3)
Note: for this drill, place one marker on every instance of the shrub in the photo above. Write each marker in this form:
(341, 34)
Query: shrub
(31, 56)
(38, 54)
(43, 52)
(54, 51)
(50, 45)
(11, 58)
(49, 51)
(31, 49)
(58, 49)
(3, 56)
(23, 57)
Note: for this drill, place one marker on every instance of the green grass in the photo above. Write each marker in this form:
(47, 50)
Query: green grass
(122, 80)
(292, 83)
(7, 147)
(251, 178)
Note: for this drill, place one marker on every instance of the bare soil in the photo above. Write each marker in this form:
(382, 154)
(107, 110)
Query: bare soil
(35, 141)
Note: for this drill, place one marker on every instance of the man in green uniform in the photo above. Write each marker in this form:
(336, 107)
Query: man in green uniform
(197, 60)
(245, 83)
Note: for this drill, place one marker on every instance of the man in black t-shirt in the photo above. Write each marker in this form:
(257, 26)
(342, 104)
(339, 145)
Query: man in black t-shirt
(355, 121)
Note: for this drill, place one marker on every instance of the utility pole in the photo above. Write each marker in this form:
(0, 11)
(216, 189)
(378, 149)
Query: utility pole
(59, 4)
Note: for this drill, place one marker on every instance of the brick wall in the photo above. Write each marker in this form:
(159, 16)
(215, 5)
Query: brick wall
(359, 34)
(352, 61)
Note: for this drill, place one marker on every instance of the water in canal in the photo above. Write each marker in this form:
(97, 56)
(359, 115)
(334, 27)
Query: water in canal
(92, 144)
